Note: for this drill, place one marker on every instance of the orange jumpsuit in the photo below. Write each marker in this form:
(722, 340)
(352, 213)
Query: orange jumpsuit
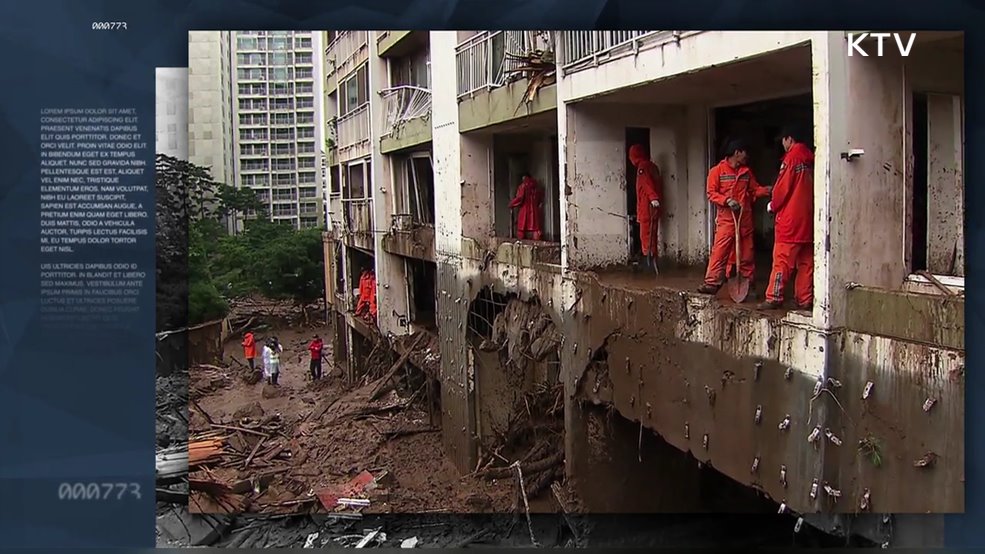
(530, 199)
(793, 250)
(363, 304)
(739, 184)
(649, 187)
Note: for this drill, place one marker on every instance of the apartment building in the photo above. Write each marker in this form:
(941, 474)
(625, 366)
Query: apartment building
(171, 113)
(277, 114)
(209, 104)
(821, 411)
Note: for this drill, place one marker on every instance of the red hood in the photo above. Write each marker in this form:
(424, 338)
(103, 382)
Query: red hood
(801, 150)
(637, 154)
(248, 339)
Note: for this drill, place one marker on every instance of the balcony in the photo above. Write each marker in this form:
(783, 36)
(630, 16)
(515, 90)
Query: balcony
(407, 117)
(347, 52)
(393, 44)
(359, 222)
(495, 70)
(353, 129)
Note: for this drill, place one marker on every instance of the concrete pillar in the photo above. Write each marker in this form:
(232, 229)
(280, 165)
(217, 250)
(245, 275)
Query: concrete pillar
(861, 206)
(390, 270)
(446, 145)
(477, 191)
(596, 232)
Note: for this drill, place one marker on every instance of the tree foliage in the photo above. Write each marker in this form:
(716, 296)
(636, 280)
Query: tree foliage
(200, 261)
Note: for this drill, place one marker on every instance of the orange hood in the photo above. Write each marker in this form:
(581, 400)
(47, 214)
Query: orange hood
(637, 154)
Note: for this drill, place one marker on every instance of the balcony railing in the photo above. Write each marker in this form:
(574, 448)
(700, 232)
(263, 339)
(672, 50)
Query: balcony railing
(483, 62)
(343, 50)
(359, 215)
(402, 104)
(353, 127)
(581, 49)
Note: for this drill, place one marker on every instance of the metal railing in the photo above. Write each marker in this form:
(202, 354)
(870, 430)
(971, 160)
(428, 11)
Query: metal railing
(482, 62)
(402, 104)
(345, 47)
(358, 215)
(353, 127)
(581, 49)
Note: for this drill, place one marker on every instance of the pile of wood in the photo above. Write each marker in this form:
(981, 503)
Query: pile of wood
(536, 421)
(537, 66)
(206, 379)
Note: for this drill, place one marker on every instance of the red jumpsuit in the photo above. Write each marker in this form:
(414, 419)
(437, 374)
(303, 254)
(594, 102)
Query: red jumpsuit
(530, 199)
(363, 305)
(740, 185)
(793, 250)
(649, 187)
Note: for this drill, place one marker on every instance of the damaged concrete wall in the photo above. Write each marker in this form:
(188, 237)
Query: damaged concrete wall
(749, 395)
(678, 145)
(945, 185)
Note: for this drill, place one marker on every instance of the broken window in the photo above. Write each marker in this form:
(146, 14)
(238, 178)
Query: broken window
(413, 70)
(937, 223)
(357, 178)
(423, 295)
(420, 177)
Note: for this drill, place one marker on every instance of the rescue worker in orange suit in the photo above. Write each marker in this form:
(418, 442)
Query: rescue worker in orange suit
(792, 202)
(649, 196)
(732, 188)
(530, 200)
(362, 306)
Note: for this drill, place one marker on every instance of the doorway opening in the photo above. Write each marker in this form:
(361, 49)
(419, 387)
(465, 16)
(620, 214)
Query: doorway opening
(641, 136)
(759, 124)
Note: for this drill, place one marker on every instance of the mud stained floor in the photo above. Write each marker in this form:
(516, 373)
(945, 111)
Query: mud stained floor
(321, 436)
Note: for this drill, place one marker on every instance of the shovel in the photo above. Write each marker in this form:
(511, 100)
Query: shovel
(654, 223)
(738, 286)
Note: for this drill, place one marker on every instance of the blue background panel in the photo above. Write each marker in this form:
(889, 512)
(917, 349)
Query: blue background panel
(79, 406)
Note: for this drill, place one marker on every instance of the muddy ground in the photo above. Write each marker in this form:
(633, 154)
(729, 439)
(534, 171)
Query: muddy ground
(422, 498)
(331, 432)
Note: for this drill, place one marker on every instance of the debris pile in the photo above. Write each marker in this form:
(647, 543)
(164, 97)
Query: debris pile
(247, 311)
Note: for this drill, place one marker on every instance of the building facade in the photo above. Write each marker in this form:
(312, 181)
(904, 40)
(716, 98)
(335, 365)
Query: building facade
(276, 115)
(209, 102)
(171, 117)
(824, 411)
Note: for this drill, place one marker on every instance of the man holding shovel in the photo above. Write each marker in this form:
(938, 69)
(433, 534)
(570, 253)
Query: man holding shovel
(732, 188)
(649, 194)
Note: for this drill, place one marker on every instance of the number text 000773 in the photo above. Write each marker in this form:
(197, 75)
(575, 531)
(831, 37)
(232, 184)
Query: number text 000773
(99, 491)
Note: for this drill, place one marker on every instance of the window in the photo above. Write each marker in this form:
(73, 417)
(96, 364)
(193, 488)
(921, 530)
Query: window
(279, 43)
(283, 119)
(306, 163)
(254, 89)
(358, 176)
(253, 165)
(250, 74)
(283, 195)
(283, 134)
(306, 147)
(253, 119)
(307, 177)
(309, 222)
(284, 180)
(246, 43)
(356, 90)
(280, 73)
(305, 88)
(283, 164)
(280, 58)
(412, 70)
(282, 104)
(306, 118)
(281, 89)
(303, 73)
(283, 149)
(306, 132)
(308, 192)
(256, 181)
(302, 42)
(302, 58)
(253, 134)
(937, 228)
(306, 102)
(309, 208)
(420, 189)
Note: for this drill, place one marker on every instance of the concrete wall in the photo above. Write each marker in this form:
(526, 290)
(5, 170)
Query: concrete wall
(597, 180)
(668, 57)
(446, 145)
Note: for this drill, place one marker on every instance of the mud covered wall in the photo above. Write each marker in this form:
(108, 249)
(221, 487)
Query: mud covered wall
(698, 373)
(897, 433)
(460, 281)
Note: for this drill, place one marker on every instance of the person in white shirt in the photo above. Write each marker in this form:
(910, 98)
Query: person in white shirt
(271, 359)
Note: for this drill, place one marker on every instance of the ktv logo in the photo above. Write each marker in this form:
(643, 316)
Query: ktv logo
(855, 43)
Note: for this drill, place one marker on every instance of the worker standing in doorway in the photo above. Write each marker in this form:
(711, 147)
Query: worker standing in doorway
(530, 200)
(649, 196)
(793, 203)
(732, 188)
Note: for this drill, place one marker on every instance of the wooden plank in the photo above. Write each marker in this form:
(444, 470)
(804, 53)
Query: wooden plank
(396, 367)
